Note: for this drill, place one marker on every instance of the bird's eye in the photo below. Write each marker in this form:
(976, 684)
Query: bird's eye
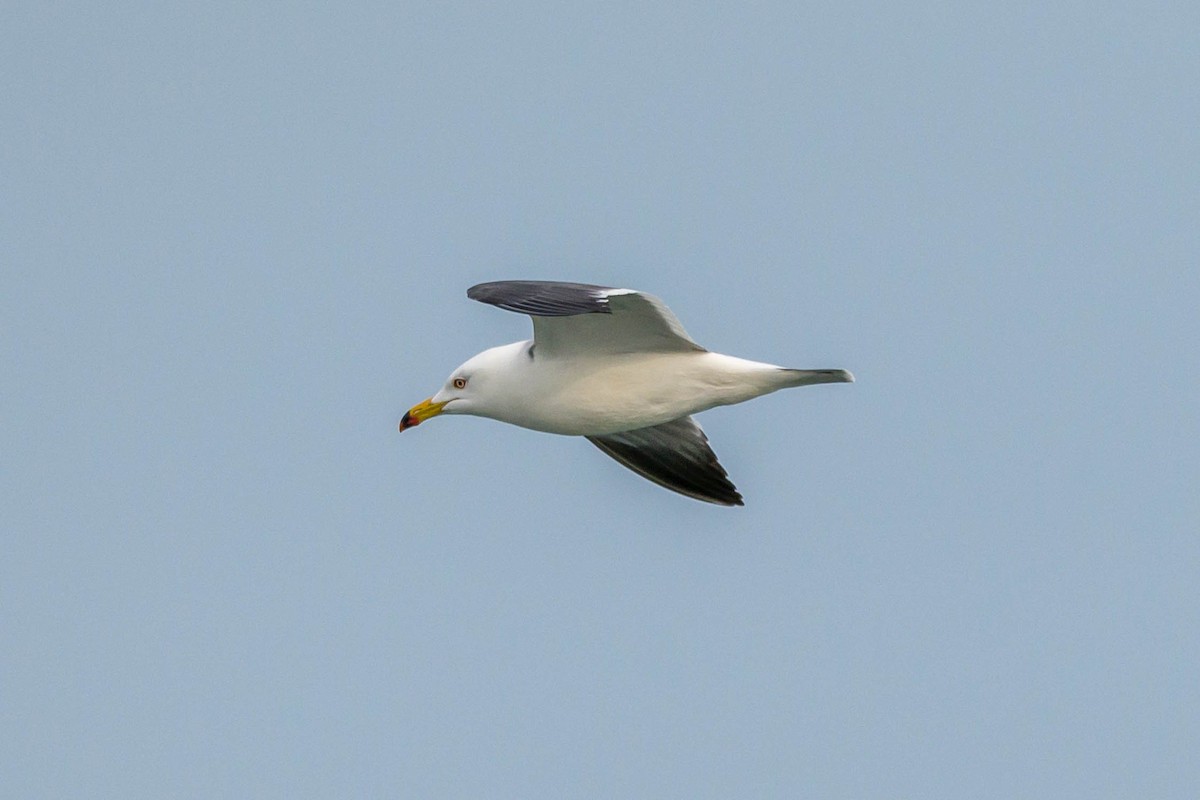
(460, 383)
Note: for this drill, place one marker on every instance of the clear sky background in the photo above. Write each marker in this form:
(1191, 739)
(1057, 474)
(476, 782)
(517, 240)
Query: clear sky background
(235, 243)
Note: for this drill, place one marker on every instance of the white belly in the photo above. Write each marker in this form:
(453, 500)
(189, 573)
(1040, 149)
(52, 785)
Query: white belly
(619, 393)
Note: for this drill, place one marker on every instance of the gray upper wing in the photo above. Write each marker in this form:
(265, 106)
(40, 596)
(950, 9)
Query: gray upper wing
(674, 455)
(581, 319)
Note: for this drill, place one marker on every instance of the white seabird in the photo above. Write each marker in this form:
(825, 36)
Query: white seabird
(617, 367)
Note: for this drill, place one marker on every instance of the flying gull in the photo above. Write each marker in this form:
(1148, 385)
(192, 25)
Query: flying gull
(616, 367)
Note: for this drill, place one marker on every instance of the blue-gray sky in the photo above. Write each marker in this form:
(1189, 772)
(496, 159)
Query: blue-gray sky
(235, 243)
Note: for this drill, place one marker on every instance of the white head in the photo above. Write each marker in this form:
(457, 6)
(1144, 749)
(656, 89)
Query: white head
(474, 388)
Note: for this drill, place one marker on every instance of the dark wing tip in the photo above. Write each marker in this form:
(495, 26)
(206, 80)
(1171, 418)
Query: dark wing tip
(543, 298)
(731, 498)
(675, 455)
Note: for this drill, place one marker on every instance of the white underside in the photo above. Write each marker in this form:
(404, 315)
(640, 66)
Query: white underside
(603, 394)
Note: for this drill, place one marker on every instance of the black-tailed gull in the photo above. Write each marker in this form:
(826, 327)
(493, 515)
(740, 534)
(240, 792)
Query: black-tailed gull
(614, 366)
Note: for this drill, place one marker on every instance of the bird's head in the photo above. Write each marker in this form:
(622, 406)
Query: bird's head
(471, 389)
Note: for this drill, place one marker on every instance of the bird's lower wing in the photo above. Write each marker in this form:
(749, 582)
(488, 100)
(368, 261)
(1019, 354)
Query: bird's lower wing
(674, 455)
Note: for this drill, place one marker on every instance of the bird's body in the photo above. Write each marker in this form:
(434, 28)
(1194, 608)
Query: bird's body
(617, 367)
(593, 395)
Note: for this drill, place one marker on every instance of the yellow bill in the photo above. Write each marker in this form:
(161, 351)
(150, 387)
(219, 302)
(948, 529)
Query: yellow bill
(419, 413)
